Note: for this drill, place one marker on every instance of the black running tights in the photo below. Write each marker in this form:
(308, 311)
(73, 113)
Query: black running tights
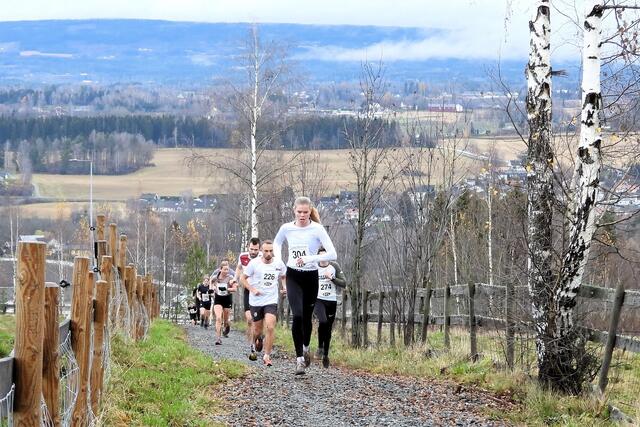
(302, 291)
(326, 314)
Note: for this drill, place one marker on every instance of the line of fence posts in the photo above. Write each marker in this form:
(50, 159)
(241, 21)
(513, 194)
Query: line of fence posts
(36, 359)
(610, 339)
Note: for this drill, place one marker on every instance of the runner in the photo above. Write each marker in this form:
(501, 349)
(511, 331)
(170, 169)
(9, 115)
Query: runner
(193, 314)
(194, 293)
(203, 295)
(304, 236)
(243, 261)
(223, 284)
(261, 278)
(325, 308)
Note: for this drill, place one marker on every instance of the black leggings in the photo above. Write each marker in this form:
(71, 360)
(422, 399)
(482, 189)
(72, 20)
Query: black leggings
(302, 291)
(326, 314)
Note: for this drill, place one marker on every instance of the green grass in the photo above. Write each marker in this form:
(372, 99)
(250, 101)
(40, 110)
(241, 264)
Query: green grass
(533, 406)
(163, 381)
(7, 333)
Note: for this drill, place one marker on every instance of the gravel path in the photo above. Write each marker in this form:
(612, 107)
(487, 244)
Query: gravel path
(336, 397)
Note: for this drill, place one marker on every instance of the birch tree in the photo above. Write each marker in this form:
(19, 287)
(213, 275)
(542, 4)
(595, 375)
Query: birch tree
(266, 74)
(540, 183)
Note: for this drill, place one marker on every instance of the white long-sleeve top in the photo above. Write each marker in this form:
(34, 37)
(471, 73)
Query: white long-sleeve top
(304, 242)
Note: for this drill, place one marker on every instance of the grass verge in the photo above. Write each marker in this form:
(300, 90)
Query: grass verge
(163, 381)
(7, 333)
(533, 406)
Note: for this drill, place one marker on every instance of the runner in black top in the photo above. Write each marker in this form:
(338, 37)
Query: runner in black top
(204, 295)
(223, 284)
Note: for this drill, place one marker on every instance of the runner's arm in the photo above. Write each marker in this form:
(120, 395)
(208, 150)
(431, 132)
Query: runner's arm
(340, 280)
(277, 243)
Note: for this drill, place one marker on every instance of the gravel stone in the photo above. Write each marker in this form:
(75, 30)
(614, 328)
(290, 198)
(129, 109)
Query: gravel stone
(274, 396)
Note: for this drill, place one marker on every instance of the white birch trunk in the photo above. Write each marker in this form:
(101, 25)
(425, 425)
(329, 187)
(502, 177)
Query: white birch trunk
(587, 172)
(255, 114)
(540, 178)
(490, 237)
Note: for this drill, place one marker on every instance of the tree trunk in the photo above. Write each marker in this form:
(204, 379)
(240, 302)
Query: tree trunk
(255, 114)
(540, 184)
(573, 365)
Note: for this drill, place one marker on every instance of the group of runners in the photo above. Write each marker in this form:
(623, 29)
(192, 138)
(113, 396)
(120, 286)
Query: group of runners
(309, 280)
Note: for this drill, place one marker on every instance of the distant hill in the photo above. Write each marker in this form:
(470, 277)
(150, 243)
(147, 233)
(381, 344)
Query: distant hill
(192, 54)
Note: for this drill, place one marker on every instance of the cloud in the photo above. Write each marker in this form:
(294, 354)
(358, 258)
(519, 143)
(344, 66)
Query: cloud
(461, 44)
(28, 53)
(9, 47)
(203, 59)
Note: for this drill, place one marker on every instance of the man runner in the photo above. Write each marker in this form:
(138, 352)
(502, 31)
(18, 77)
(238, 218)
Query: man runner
(261, 277)
(243, 260)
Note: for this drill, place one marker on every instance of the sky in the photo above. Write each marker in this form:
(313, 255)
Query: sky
(472, 28)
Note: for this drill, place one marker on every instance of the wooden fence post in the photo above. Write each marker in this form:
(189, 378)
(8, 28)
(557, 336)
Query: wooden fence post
(148, 297)
(447, 316)
(473, 340)
(29, 331)
(101, 220)
(345, 301)
(129, 284)
(380, 316)
(393, 297)
(510, 323)
(618, 301)
(426, 311)
(138, 303)
(51, 353)
(365, 318)
(82, 302)
(122, 254)
(100, 323)
(113, 241)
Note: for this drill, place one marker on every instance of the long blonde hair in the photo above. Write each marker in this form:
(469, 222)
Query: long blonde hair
(314, 215)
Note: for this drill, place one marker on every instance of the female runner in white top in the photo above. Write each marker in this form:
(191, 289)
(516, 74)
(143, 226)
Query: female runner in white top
(304, 237)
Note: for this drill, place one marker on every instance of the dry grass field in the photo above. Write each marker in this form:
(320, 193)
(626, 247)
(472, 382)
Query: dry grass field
(172, 174)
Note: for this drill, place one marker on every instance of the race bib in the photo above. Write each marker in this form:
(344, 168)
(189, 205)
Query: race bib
(269, 278)
(297, 251)
(222, 289)
(205, 297)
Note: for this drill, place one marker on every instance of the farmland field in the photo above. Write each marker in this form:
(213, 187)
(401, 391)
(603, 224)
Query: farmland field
(171, 174)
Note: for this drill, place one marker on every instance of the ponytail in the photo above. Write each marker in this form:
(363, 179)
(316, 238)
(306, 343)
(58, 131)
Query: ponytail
(315, 215)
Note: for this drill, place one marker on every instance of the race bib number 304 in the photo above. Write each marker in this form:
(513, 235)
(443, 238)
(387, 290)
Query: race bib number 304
(298, 251)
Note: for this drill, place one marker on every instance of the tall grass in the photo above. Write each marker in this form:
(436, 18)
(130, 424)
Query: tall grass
(162, 381)
(533, 405)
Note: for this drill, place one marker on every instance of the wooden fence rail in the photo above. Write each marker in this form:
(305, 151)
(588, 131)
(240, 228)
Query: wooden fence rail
(470, 295)
(32, 371)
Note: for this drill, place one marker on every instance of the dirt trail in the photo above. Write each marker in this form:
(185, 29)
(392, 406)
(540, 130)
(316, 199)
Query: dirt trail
(274, 396)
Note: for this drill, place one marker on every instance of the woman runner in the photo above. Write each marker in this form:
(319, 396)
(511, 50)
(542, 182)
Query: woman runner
(304, 236)
(203, 294)
(223, 284)
(325, 308)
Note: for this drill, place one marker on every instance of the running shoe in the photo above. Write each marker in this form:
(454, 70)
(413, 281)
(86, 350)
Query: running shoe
(307, 359)
(218, 341)
(325, 361)
(259, 343)
(300, 368)
(319, 353)
(253, 356)
(267, 360)
(227, 328)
